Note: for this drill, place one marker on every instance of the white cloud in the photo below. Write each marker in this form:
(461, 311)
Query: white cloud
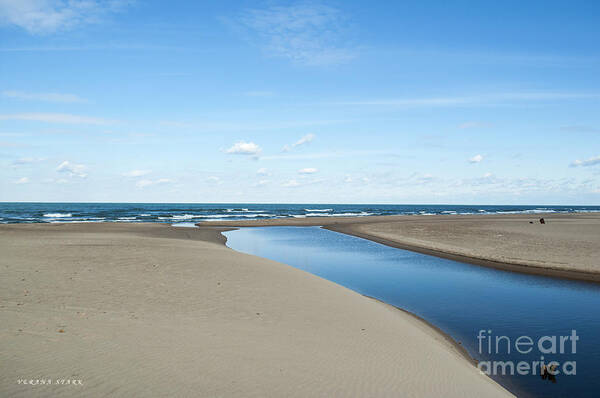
(476, 159)
(72, 169)
(261, 183)
(22, 180)
(262, 171)
(308, 34)
(587, 162)
(308, 170)
(291, 183)
(244, 148)
(137, 173)
(54, 118)
(304, 140)
(47, 97)
(488, 175)
(49, 16)
(146, 183)
(214, 180)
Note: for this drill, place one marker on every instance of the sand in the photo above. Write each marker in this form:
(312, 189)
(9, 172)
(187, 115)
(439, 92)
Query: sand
(153, 310)
(567, 245)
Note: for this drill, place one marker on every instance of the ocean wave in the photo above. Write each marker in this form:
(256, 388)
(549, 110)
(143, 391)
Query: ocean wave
(127, 218)
(362, 213)
(57, 215)
(73, 221)
(236, 215)
(184, 216)
(177, 217)
(318, 210)
(531, 211)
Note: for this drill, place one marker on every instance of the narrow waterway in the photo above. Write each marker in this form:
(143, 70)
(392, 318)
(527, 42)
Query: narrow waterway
(465, 301)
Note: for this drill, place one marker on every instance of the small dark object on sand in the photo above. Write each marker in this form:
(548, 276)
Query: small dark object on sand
(530, 222)
(542, 221)
(548, 372)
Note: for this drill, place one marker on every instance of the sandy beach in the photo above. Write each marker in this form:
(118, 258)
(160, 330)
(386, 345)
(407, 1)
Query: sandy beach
(567, 245)
(153, 310)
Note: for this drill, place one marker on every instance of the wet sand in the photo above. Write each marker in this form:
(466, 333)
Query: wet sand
(153, 310)
(567, 245)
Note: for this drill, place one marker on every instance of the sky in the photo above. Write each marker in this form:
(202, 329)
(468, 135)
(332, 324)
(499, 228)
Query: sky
(436, 102)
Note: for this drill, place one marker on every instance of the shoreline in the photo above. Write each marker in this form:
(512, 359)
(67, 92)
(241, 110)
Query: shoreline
(380, 229)
(504, 266)
(459, 348)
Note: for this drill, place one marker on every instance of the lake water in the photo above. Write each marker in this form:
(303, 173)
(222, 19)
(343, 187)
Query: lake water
(461, 299)
(26, 212)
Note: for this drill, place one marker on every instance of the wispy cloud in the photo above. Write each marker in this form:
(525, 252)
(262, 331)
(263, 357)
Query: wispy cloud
(308, 170)
(72, 169)
(325, 155)
(22, 180)
(290, 184)
(309, 34)
(136, 173)
(262, 171)
(47, 97)
(64, 118)
(146, 183)
(244, 148)
(476, 159)
(304, 140)
(482, 99)
(587, 162)
(247, 125)
(26, 161)
(49, 16)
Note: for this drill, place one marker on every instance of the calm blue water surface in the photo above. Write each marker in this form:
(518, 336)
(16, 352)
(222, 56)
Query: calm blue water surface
(459, 298)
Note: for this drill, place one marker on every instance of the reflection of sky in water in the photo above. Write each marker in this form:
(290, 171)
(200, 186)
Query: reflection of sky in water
(459, 298)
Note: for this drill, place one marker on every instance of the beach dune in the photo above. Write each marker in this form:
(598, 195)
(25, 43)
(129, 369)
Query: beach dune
(152, 310)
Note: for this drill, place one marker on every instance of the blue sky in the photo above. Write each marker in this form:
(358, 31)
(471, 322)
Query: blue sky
(458, 102)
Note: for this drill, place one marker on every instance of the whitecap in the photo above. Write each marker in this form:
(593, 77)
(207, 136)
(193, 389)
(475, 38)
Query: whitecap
(361, 214)
(57, 215)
